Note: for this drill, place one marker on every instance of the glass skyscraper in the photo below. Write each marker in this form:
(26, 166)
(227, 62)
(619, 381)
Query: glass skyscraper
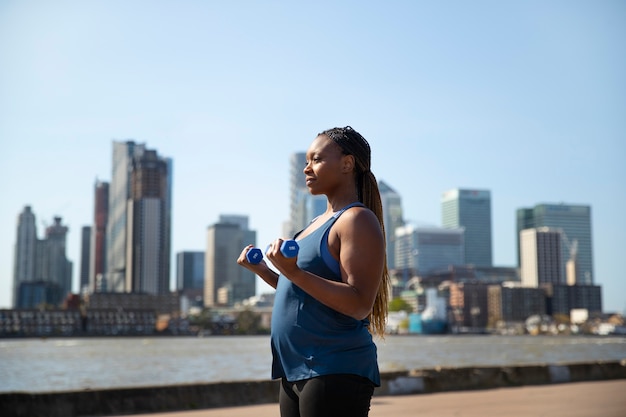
(393, 218)
(24, 265)
(574, 222)
(55, 267)
(119, 189)
(424, 249)
(42, 272)
(148, 242)
(189, 270)
(471, 210)
(225, 282)
(98, 261)
(138, 235)
(540, 257)
(85, 257)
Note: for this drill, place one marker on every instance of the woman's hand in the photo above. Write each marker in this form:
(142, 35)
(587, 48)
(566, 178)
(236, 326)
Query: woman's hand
(286, 265)
(261, 269)
(243, 259)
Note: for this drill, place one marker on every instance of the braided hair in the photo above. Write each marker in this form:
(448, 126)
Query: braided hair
(352, 143)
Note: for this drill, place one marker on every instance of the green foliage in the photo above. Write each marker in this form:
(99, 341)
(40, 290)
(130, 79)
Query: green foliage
(398, 304)
(248, 322)
(203, 320)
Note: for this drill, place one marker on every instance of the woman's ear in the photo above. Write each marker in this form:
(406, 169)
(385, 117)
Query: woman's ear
(348, 163)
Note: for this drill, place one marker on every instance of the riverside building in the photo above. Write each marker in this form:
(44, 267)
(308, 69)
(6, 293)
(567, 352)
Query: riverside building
(42, 273)
(574, 223)
(471, 210)
(138, 235)
(425, 249)
(97, 258)
(393, 219)
(190, 275)
(540, 257)
(225, 282)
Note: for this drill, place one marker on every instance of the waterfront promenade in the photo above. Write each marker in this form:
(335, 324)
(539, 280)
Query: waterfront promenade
(575, 399)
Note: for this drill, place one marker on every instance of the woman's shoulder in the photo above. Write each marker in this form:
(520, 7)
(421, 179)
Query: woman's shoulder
(357, 215)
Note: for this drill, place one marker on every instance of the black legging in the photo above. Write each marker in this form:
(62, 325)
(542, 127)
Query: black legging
(339, 395)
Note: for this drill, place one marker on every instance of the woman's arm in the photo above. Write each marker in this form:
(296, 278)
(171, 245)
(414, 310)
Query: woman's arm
(261, 269)
(356, 239)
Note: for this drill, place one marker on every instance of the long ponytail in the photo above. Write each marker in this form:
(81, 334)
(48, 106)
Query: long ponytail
(352, 143)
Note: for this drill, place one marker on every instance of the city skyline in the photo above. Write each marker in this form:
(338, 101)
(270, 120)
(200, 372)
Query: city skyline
(525, 100)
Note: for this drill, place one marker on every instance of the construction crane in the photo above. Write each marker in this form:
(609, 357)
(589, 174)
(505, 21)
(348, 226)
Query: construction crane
(571, 266)
(572, 246)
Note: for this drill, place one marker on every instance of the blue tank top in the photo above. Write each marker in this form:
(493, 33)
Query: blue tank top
(309, 339)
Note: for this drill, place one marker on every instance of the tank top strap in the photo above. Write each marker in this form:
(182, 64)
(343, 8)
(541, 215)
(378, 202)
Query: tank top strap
(355, 204)
(324, 251)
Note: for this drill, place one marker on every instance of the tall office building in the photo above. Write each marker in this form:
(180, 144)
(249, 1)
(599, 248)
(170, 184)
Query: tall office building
(424, 249)
(139, 221)
(190, 277)
(574, 221)
(540, 257)
(471, 210)
(147, 224)
(303, 207)
(393, 218)
(25, 251)
(55, 267)
(42, 272)
(225, 282)
(189, 270)
(85, 257)
(119, 192)
(97, 267)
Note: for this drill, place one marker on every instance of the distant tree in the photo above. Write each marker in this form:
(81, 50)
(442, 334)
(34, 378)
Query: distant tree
(204, 320)
(398, 304)
(248, 322)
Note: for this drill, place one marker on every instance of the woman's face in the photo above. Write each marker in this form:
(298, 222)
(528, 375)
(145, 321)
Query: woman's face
(325, 164)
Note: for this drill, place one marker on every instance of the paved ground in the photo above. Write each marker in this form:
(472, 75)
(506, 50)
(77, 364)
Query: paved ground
(578, 399)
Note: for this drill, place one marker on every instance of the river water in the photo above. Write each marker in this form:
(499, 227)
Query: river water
(42, 365)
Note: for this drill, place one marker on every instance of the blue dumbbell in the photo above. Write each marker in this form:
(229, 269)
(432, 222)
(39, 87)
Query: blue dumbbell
(289, 249)
(254, 255)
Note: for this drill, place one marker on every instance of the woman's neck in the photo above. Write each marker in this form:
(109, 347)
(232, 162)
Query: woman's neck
(336, 204)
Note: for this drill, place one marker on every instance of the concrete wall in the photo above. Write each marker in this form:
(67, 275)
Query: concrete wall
(225, 394)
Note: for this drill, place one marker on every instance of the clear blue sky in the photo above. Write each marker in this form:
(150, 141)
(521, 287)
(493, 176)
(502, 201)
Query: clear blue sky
(524, 98)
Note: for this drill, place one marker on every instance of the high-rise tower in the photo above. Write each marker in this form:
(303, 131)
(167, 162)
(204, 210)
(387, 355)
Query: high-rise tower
(393, 219)
(55, 267)
(119, 192)
(139, 221)
(42, 272)
(471, 210)
(147, 267)
(85, 257)
(225, 282)
(189, 270)
(574, 224)
(424, 249)
(540, 257)
(98, 265)
(25, 251)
